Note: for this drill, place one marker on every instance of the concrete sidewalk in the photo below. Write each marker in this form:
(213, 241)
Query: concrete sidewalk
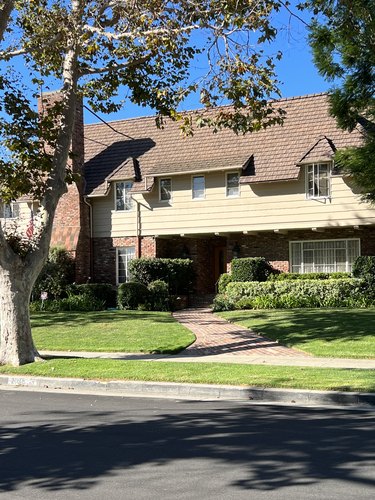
(219, 341)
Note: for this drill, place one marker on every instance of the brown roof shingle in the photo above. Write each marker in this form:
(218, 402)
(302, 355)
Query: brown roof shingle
(275, 152)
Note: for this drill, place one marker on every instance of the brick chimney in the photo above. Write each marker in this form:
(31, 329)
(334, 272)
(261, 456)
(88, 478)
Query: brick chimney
(71, 227)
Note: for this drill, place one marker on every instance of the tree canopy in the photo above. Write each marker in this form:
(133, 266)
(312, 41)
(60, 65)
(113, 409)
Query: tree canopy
(342, 36)
(111, 52)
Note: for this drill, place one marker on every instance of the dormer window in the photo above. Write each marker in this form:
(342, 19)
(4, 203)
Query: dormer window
(318, 182)
(165, 189)
(233, 185)
(123, 197)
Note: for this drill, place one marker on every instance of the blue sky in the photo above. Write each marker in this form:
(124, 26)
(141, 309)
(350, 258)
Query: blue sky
(296, 69)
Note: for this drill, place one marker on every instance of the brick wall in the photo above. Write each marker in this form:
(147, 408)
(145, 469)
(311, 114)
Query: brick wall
(104, 255)
(71, 228)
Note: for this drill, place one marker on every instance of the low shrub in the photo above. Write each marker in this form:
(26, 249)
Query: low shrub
(223, 282)
(159, 296)
(222, 303)
(364, 267)
(293, 294)
(177, 273)
(308, 276)
(81, 303)
(251, 269)
(56, 275)
(132, 295)
(104, 292)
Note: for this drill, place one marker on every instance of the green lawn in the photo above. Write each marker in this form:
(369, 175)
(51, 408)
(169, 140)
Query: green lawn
(109, 331)
(207, 373)
(332, 333)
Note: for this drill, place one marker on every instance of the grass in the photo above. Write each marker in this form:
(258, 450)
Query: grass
(332, 333)
(207, 373)
(109, 331)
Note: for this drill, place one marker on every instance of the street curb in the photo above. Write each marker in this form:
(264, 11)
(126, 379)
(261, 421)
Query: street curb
(189, 391)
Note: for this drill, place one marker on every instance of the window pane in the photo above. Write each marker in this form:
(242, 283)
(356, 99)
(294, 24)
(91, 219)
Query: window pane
(324, 256)
(198, 187)
(123, 196)
(233, 184)
(124, 256)
(318, 180)
(165, 189)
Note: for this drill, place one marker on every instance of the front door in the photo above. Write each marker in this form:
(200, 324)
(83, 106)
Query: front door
(220, 262)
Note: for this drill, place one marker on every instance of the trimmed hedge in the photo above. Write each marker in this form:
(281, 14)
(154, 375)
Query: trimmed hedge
(103, 292)
(251, 269)
(131, 295)
(177, 273)
(223, 282)
(159, 296)
(308, 276)
(292, 294)
(364, 267)
(57, 273)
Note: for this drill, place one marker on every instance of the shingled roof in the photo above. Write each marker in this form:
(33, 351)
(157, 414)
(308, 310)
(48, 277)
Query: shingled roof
(273, 154)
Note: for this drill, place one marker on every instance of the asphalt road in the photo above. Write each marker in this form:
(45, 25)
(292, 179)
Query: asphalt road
(55, 446)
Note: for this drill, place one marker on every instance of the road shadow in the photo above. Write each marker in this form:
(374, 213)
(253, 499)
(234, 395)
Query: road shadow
(270, 447)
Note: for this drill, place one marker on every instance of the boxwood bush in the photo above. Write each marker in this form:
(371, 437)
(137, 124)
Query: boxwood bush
(223, 282)
(364, 267)
(104, 292)
(159, 296)
(295, 293)
(251, 269)
(132, 295)
(177, 273)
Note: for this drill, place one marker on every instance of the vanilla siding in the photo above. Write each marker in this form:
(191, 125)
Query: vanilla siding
(259, 207)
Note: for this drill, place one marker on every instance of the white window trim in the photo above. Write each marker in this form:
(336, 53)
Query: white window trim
(117, 262)
(317, 241)
(171, 198)
(330, 166)
(12, 204)
(226, 185)
(192, 187)
(115, 199)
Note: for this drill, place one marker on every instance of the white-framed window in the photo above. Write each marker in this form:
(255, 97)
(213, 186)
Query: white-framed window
(123, 200)
(323, 256)
(123, 257)
(9, 210)
(318, 180)
(165, 189)
(232, 189)
(198, 187)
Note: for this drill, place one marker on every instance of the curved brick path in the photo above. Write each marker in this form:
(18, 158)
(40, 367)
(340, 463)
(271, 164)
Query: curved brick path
(217, 336)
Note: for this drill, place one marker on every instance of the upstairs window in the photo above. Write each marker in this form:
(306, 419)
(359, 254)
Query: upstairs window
(165, 189)
(318, 180)
(233, 185)
(198, 187)
(123, 197)
(10, 210)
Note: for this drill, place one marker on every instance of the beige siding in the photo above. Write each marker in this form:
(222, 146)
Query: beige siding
(259, 207)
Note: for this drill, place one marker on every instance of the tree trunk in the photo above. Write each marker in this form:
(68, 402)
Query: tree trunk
(17, 347)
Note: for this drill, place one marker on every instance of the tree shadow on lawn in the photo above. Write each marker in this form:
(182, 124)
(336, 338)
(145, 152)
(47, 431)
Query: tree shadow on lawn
(305, 325)
(43, 319)
(258, 447)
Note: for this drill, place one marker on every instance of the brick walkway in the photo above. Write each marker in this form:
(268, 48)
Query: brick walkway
(217, 336)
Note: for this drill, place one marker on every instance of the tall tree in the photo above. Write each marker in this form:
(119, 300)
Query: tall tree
(342, 36)
(95, 49)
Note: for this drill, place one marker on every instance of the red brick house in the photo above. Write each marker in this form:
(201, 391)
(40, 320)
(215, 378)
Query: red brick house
(275, 193)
